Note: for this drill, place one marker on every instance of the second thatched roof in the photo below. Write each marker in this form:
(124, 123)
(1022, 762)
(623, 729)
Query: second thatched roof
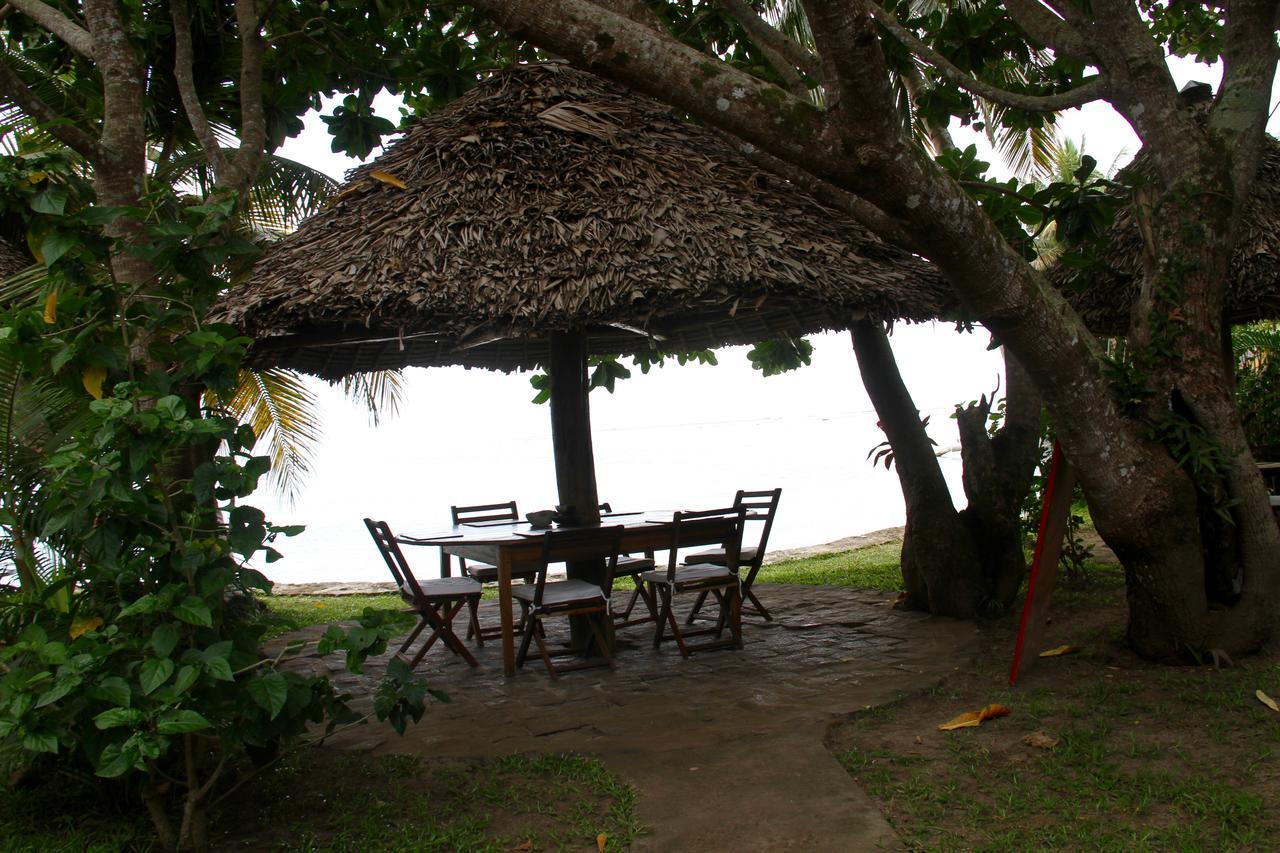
(12, 260)
(548, 199)
(1104, 292)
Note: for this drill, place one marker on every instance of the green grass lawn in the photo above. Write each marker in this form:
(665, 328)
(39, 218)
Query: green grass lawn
(1101, 751)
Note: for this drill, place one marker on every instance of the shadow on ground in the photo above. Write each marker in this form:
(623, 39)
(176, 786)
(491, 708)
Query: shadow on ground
(726, 748)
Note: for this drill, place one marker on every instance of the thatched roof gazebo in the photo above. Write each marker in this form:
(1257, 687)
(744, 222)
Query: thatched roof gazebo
(548, 214)
(1104, 292)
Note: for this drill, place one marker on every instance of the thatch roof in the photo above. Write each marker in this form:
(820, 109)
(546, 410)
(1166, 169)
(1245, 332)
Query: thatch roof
(12, 259)
(1104, 292)
(548, 199)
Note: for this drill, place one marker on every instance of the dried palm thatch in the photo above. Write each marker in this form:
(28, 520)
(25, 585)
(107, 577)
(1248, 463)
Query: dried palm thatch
(1104, 292)
(12, 260)
(547, 199)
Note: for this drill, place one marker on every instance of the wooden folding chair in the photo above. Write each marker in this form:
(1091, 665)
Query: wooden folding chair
(632, 567)
(436, 602)
(702, 578)
(760, 506)
(570, 597)
(484, 572)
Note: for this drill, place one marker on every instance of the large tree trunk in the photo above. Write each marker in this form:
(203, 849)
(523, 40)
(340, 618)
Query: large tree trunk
(968, 563)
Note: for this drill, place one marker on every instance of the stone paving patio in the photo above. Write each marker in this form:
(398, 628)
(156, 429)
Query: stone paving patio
(726, 748)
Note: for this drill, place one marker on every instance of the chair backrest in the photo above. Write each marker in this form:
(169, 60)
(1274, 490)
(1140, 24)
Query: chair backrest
(760, 506)
(583, 543)
(484, 512)
(727, 522)
(389, 548)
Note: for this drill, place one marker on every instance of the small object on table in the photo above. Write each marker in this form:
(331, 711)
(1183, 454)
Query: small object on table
(540, 519)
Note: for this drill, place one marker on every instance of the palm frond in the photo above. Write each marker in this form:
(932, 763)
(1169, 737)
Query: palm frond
(17, 129)
(284, 413)
(285, 192)
(1258, 339)
(379, 392)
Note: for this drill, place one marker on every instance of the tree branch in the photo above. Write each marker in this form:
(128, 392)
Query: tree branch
(1249, 68)
(31, 104)
(72, 34)
(183, 72)
(253, 120)
(1093, 89)
(770, 39)
(859, 96)
(656, 64)
(1048, 29)
(864, 212)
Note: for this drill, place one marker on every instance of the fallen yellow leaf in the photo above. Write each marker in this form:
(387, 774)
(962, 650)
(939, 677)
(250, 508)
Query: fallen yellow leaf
(966, 720)
(80, 625)
(1060, 650)
(93, 377)
(388, 178)
(600, 840)
(970, 719)
(992, 711)
(1268, 701)
(51, 307)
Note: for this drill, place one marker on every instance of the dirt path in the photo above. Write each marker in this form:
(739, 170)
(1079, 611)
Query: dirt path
(726, 748)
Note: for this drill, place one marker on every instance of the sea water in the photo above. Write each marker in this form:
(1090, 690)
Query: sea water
(681, 437)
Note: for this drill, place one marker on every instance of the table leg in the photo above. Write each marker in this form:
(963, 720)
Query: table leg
(504, 606)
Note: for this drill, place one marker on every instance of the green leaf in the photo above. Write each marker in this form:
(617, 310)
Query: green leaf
(180, 722)
(40, 742)
(52, 201)
(115, 690)
(113, 761)
(56, 245)
(155, 672)
(187, 676)
(216, 663)
(61, 688)
(115, 717)
(270, 692)
(165, 638)
(146, 604)
(194, 611)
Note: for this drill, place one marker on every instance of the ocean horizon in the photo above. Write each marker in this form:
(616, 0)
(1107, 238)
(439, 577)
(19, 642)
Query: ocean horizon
(680, 437)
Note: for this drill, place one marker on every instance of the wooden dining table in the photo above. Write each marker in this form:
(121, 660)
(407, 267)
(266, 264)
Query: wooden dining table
(514, 545)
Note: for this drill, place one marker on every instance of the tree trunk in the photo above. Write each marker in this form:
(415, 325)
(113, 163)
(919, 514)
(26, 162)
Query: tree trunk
(939, 563)
(968, 563)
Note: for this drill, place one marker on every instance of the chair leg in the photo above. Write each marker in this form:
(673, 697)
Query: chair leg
(413, 635)
(735, 615)
(538, 633)
(598, 630)
(760, 608)
(443, 630)
(473, 624)
(525, 638)
(670, 619)
(664, 611)
(697, 605)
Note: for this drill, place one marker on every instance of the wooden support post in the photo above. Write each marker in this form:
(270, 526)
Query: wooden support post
(575, 460)
(571, 426)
